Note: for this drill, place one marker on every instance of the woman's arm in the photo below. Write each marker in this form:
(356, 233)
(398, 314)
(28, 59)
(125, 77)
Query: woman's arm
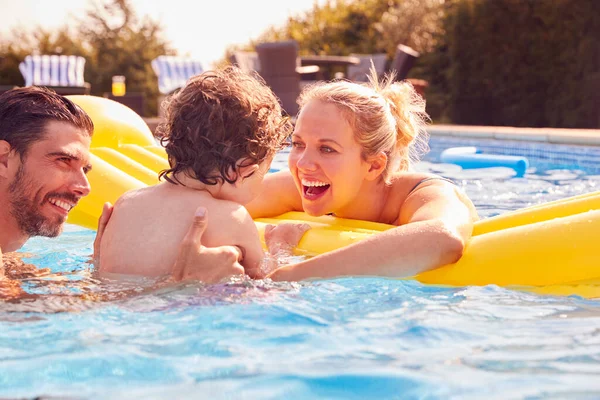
(278, 195)
(436, 221)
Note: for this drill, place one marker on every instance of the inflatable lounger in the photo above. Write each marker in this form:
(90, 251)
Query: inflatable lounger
(549, 248)
(472, 157)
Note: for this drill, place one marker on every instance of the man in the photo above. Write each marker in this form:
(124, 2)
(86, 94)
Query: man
(44, 158)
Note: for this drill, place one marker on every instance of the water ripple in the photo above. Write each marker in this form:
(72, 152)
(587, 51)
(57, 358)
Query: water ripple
(73, 335)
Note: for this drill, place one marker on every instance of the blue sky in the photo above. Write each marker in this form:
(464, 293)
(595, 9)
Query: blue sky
(201, 29)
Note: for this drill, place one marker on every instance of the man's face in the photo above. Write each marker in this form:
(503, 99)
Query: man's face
(50, 180)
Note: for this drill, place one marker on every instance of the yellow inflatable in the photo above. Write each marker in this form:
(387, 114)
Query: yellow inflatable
(114, 123)
(113, 173)
(549, 248)
(556, 251)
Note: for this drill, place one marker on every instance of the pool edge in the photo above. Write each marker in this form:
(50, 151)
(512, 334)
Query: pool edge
(586, 137)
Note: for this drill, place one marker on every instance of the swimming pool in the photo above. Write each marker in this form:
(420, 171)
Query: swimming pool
(343, 338)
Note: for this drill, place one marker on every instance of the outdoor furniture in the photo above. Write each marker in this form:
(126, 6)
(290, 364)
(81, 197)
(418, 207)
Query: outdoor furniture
(173, 72)
(361, 71)
(61, 73)
(403, 61)
(134, 100)
(6, 88)
(420, 85)
(246, 60)
(280, 70)
(249, 61)
(327, 63)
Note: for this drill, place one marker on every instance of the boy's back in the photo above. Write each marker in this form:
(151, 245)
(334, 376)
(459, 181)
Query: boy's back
(221, 132)
(148, 225)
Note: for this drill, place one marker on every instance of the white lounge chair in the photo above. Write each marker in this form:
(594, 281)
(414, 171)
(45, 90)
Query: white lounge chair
(173, 72)
(61, 73)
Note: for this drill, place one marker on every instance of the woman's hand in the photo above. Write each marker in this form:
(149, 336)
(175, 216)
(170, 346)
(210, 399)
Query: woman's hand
(284, 237)
(286, 273)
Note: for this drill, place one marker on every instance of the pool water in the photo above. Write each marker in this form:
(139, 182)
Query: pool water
(350, 338)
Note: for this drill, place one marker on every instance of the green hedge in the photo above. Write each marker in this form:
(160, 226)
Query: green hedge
(522, 63)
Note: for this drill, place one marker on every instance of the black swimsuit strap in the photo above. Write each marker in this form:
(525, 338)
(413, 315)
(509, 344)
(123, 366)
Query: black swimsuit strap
(431, 178)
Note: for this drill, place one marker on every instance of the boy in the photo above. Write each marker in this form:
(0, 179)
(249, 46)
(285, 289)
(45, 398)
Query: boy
(222, 132)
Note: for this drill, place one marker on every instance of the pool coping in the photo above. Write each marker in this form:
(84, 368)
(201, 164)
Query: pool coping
(586, 137)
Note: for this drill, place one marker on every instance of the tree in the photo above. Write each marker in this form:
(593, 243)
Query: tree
(111, 37)
(415, 23)
(37, 41)
(336, 28)
(122, 44)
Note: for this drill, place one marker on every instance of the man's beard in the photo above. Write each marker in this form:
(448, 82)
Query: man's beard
(26, 207)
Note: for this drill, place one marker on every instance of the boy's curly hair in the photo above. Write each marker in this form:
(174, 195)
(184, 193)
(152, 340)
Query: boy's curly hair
(221, 121)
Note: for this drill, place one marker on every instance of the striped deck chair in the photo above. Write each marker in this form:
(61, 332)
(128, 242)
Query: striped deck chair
(63, 74)
(173, 72)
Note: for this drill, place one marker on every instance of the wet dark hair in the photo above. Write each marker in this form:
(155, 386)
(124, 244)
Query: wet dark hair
(220, 121)
(24, 113)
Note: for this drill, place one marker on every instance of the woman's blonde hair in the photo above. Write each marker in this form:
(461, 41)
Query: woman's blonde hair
(385, 116)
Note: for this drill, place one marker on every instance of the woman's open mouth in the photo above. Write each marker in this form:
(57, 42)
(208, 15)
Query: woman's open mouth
(313, 190)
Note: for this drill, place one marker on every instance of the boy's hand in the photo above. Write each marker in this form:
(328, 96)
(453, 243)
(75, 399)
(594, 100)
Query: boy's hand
(206, 264)
(284, 237)
(102, 222)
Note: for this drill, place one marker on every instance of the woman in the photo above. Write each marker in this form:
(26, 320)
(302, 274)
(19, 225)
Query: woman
(352, 149)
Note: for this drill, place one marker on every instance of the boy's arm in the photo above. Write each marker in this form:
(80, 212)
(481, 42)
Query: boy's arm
(209, 265)
(280, 240)
(247, 238)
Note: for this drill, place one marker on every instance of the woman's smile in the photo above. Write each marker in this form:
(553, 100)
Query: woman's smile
(313, 190)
